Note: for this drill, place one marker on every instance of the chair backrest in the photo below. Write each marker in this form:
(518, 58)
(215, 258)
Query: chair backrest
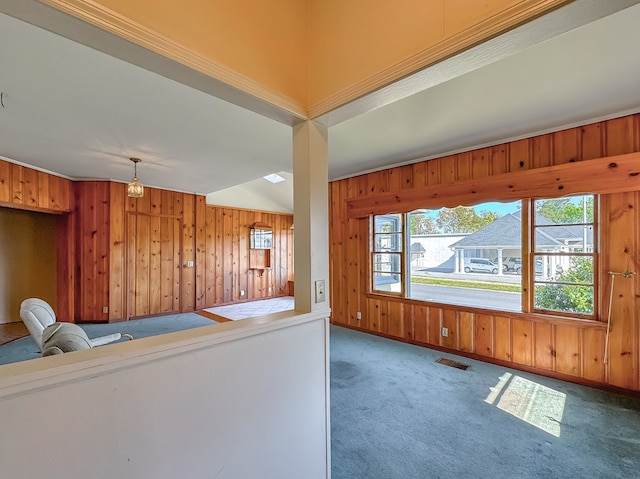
(37, 315)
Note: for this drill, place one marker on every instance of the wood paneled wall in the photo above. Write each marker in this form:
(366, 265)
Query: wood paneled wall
(29, 189)
(567, 348)
(168, 251)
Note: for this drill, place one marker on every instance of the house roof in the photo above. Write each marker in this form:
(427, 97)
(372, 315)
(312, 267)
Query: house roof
(505, 233)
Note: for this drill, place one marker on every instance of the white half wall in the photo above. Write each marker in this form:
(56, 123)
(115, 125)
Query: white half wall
(245, 399)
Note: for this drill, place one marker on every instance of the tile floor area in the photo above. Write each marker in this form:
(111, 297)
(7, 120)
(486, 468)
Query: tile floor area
(253, 308)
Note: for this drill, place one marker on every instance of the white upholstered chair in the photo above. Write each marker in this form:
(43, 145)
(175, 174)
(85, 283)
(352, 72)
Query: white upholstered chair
(37, 314)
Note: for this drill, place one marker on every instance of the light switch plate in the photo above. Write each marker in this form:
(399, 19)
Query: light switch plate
(320, 292)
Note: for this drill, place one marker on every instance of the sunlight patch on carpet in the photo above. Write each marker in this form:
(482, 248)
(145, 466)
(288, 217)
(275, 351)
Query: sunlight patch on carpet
(535, 404)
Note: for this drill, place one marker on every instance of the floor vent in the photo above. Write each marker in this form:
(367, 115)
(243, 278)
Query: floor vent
(453, 364)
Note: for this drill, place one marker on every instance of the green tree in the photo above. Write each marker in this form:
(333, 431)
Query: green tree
(463, 219)
(421, 224)
(575, 297)
(565, 210)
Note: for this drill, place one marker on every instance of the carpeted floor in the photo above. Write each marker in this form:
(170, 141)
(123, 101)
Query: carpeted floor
(397, 413)
(24, 348)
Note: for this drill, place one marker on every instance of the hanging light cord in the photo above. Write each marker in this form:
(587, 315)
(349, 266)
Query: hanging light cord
(624, 274)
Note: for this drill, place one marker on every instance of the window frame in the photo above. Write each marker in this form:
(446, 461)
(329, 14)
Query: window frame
(400, 254)
(529, 256)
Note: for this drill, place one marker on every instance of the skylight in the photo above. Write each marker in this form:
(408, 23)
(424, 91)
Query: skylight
(274, 178)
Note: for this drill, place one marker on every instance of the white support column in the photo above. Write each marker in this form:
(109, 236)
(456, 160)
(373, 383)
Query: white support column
(311, 215)
(500, 259)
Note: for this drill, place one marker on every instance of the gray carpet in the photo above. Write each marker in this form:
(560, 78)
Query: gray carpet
(396, 413)
(25, 348)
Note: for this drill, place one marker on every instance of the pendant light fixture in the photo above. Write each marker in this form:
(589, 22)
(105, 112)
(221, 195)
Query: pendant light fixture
(135, 188)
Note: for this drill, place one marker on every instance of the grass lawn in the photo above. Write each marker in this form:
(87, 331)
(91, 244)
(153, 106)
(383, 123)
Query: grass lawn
(513, 288)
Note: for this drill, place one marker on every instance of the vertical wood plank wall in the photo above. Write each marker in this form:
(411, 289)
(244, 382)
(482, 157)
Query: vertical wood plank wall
(136, 254)
(95, 252)
(567, 348)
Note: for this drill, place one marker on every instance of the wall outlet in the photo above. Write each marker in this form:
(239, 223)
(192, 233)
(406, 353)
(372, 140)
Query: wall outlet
(242, 292)
(189, 264)
(105, 309)
(358, 315)
(445, 332)
(270, 288)
(320, 296)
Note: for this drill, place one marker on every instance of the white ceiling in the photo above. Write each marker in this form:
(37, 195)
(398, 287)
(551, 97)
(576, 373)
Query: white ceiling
(81, 113)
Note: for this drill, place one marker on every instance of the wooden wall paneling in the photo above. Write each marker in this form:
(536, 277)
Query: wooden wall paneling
(450, 321)
(466, 330)
(592, 365)
(103, 244)
(435, 324)
(141, 279)
(568, 352)
(502, 338)
(372, 320)
(483, 335)
(16, 184)
(30, 187)
(395, 178)
(352, 259)
(383, 319)
(406, 175)
(43, 190)
(5, 182)
(188, 279)
(210, 260)
(433, 173)
(243, 260)
(622, 220)
(200, 252)
(464, 163)
(155, 262)
(522, 341)
(481, 163)
(499, 160)
(155, 201)
(364, 274)
(544, 350)
(384, 180)
(395, 311)
(420, 323)
(566, 146)
(220, 252)
(339, 270)
(176, 261)
(620, 136)
(227, 261)
(519, 158)
(419, 174)
(591, 141)
(60, 193)
(65, 271)
(117, 252)
(541, 151)
(235, 255)
(447, 169)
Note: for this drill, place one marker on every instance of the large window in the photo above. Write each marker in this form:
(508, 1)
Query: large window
(489, 255)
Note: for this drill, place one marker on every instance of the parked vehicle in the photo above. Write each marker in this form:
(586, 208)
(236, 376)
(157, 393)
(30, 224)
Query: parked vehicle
(510, 263)
(480, 265)
(517, 266)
